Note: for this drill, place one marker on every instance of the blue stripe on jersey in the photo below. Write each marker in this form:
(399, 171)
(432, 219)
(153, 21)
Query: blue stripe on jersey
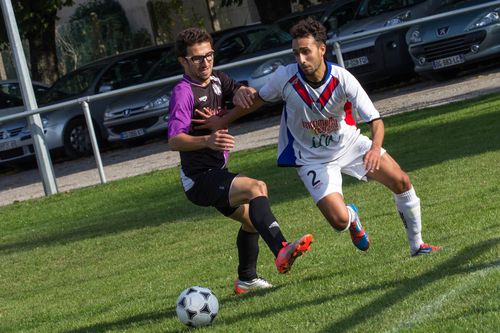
(287, 156)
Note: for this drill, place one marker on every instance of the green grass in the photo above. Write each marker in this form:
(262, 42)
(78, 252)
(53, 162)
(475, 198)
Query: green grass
(115, 257)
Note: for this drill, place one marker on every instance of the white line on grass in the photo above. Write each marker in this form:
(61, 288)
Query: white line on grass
(426, 312)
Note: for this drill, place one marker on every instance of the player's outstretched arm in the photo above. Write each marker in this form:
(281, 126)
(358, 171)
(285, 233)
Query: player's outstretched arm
(244, 97)
(218, 140)
(215, 123)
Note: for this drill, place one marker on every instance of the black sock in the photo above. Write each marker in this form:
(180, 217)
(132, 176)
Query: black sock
(248, 252)
(264, 221)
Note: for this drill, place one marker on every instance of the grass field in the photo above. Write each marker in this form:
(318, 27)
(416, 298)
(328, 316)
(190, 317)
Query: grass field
(115, 257)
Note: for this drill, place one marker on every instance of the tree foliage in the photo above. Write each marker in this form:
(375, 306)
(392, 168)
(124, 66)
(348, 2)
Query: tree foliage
(36, 21)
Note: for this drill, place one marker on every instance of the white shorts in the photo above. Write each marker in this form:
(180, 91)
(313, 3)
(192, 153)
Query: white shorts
(325, 178)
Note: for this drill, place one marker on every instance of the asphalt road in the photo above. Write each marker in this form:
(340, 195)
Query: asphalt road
(17, 186)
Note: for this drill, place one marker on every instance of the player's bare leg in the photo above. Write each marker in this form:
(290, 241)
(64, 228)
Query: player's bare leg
(392, 176)
(342, 217)
(252, 192)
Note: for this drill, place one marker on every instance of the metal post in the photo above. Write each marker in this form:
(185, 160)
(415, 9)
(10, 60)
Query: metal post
(34, 122)
(338, 53)
(93, 140)
(340, 61)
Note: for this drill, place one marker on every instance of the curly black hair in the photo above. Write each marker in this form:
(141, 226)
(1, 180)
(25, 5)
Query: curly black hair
(309, 27)
(189, 37)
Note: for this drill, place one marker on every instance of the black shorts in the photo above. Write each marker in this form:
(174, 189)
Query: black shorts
(211, 188)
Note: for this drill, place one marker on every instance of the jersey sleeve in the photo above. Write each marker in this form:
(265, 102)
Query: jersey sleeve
(272, 91)
(359, 98)
(181, 110)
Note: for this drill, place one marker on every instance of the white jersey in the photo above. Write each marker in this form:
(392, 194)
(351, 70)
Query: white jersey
(316, 124)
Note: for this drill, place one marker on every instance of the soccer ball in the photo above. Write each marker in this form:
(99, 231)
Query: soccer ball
(197, 306)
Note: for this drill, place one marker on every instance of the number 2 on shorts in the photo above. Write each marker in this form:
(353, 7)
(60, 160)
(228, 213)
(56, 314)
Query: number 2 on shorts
(314, 181)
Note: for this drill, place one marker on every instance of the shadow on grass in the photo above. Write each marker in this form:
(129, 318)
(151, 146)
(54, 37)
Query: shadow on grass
(399, 291)
(125, 323)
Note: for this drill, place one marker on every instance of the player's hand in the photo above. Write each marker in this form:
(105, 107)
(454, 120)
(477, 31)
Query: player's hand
(221, 141)
(244, 98)
(207, 121)
(371, 161)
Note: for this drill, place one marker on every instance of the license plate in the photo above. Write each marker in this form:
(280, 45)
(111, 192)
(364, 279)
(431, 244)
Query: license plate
(133, 134)
(7, 145)
(450, 61)
(356, 62)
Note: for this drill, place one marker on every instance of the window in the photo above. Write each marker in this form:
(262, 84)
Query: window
(72, 84)
(130, 71)
(229, 49)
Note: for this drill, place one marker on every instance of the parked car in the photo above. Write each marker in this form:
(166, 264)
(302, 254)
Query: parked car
(439, 48)
(11, 102)
(277, 38)
(378, 57)
(66, 129)
(132, 118)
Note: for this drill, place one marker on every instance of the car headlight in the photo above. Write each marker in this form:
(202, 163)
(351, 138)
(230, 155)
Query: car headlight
(489, 18)
(266, 68)
(108, 115)
(45, 121)
(415, 37)
(159, 102)
(403, 17)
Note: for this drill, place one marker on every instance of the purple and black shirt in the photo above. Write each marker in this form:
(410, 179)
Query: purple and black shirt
(188, 96)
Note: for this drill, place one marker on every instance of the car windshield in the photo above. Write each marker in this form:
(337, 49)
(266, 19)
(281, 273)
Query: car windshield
(71, 84)
(167, 66)
(371, 8)
(278, 33)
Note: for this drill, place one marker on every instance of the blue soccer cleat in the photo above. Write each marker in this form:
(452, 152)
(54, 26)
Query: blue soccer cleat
(358, 235)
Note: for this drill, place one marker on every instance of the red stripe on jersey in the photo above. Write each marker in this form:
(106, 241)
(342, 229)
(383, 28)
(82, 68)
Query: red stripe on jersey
(349, 119)
(327, 93)
(301, 90)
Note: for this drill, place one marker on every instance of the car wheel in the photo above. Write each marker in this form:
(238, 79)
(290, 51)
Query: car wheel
(443, 75)
(77, 142)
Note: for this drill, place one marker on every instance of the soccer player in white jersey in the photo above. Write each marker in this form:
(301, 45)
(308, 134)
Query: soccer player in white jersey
(318, 136)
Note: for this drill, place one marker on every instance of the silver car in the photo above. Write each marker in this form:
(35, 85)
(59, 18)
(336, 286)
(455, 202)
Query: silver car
(14, 140)
(439, 48)
(66, 129)
(132, 118)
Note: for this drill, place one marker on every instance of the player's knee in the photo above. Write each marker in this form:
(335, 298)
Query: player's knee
(403, 184)
(258, 188)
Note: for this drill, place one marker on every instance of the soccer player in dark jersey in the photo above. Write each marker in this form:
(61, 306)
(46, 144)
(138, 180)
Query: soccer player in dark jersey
(319, 137)
(204, 155)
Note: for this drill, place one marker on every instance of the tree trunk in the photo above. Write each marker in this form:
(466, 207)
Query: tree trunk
(43, 54)
(271, 11)
(213, 15)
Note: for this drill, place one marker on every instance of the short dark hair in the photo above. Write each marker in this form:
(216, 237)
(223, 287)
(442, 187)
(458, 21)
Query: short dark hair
(189, 37)
(309, 27)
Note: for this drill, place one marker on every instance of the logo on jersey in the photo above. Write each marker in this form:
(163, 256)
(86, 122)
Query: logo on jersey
(217, 89)
(324, 140)
(321, 126)
(203, 99)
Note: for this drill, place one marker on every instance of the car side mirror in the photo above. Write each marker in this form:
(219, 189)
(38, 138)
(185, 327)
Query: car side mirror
(104, 88)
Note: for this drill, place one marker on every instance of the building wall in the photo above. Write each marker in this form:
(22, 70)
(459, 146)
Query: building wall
(137, 14)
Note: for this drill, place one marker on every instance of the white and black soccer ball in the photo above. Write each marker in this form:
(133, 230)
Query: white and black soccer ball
(197, 306)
